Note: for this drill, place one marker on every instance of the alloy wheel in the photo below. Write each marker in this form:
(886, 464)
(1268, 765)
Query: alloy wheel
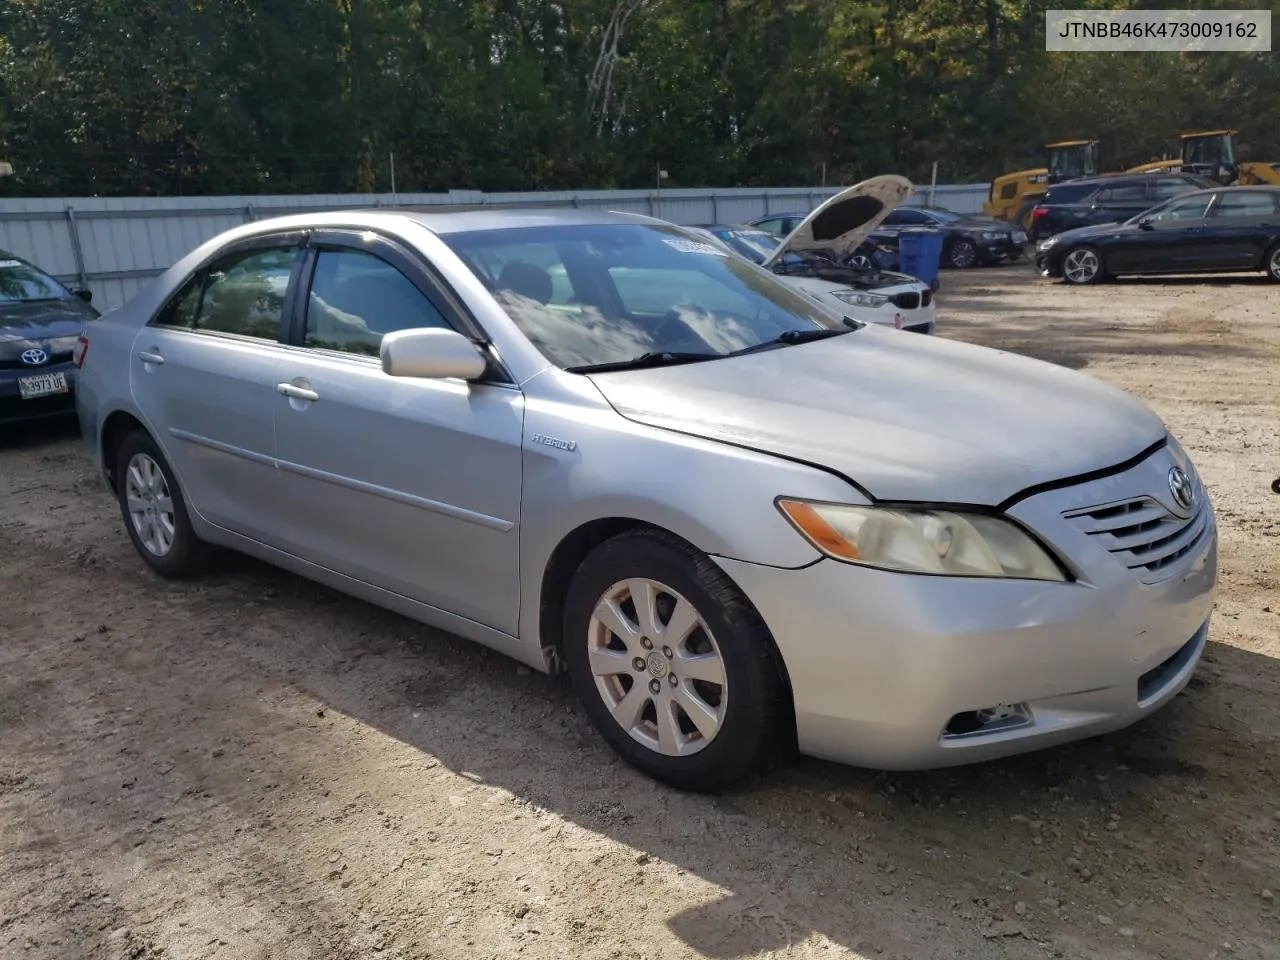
(1081, 266)
(963, 254)
(150, 504)
(657, 667)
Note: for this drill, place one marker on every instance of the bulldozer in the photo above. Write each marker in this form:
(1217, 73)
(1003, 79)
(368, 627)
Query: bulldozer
(1214, 154)
(1013, 195)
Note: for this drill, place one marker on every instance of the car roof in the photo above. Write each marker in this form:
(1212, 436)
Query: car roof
(1105, 178)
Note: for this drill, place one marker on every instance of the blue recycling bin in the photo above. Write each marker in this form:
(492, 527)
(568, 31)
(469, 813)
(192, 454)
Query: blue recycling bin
(920, 254)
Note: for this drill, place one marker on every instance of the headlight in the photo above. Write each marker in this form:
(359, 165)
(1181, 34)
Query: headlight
(922, 541)
(860, 299)
(1046, 244)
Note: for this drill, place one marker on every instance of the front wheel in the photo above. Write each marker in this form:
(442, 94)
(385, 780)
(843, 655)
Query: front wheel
(673, 665)
(155, 514)
(1082, 265)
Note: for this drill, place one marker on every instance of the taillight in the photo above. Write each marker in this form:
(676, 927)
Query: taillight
(1039, 212)
(80, 351)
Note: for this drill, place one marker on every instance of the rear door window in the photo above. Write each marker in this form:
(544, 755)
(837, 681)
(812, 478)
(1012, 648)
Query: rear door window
(1070, 193)
(1123, 193)
(1246, 203)
(1169, 187)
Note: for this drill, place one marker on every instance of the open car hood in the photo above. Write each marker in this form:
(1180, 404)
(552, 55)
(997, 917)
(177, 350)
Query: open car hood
(841, 223)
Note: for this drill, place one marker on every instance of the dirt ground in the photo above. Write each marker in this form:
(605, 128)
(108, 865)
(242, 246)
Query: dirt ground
(252, 766)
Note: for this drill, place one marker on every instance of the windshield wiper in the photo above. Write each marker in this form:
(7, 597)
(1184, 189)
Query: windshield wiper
(789, 337)
(657, 358)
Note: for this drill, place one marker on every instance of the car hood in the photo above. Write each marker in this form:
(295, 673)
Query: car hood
(841, 223)
(1096, 230)
(905, 417)
(24, 325)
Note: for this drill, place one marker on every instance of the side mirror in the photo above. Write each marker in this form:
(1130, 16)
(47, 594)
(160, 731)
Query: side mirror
(1146, 224)
(85, 295)
(431, 353)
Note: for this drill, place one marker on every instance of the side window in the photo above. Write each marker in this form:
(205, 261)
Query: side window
(357, 297)
(1190, 209)
(182, 309)
(244, 293)
(1124, 193)
(1245, 204)
(1169, 187)
(905, 216)
(772, 226)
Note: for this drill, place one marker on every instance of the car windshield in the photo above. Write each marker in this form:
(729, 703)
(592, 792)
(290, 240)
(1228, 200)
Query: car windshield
(755, 245)
(587, 295)
(22, 283)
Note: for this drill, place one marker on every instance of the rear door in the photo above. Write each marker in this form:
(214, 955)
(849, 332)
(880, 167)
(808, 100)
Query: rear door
(1120, 201)
(1240, 228)
(203, 372)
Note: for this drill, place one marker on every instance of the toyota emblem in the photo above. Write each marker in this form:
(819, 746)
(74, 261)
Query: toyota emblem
(1184, 494)
(34, 357)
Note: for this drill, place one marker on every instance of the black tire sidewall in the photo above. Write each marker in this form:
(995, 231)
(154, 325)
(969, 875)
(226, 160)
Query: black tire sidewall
(750, 672)
(188, 553)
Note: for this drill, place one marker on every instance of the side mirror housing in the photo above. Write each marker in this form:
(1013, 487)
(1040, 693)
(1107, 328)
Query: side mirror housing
(86, 295)
(1145, 224)
(431, 353)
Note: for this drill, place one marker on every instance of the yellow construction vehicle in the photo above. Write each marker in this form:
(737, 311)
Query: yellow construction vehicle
(1013, 195)
(1213, 154)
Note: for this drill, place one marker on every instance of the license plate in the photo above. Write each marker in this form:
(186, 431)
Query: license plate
(42, 385)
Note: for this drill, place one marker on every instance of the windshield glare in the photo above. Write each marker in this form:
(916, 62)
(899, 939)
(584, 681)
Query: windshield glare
(755, 245)
(587, 295)
(21, 283)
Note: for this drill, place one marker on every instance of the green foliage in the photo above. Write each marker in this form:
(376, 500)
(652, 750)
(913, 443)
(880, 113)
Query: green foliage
(116, 97)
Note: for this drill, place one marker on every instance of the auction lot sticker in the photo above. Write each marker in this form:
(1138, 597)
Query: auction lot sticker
(1172, 31)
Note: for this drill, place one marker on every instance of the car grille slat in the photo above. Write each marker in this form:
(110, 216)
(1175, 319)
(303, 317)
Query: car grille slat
(906, 301)
(1142, 534)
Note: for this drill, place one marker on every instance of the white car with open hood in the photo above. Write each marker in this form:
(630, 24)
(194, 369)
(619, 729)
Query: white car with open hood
(811, 257)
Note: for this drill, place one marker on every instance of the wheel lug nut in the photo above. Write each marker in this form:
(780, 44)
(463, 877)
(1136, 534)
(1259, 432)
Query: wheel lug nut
(666, 652)
(638, 663)
(674, 681)
(646, 643)
(655, 686)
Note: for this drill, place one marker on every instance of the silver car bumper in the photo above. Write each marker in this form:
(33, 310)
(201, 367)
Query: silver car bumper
(896, 671)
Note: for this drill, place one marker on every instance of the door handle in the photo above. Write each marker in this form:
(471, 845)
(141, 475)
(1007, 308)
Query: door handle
(150, 356)
(294, 392)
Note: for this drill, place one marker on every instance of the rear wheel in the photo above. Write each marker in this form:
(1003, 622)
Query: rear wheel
(1082, 265)
(673, 665)
(155, 515)
(1273, 263)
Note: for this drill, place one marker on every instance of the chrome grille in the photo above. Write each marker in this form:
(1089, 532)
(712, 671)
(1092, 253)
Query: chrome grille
(1142, 534)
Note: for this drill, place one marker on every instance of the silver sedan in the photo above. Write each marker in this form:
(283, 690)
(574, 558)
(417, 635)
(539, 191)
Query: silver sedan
(741, 523)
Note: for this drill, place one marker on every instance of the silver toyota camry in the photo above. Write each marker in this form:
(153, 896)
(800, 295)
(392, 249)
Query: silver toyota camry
(742, 524)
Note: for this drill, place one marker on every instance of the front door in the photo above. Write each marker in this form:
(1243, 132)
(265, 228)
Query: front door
(1171, 241)
(411, 485)
(204, 373)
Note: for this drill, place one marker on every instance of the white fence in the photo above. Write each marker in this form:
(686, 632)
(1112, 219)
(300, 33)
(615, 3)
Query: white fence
(115, 246)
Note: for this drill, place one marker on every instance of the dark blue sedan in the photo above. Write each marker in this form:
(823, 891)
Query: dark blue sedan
(40, 324)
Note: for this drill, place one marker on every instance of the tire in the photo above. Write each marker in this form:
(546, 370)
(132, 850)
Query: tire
(163, 537)
(961, 254)
(1275, 485)
(748, 725)
(1082, 265)
(1271, 263)
(860, 261)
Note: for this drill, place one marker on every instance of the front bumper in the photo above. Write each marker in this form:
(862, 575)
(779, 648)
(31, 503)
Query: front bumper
(1048, 266)
(1000, 249)
(889, 670)
(14, 409)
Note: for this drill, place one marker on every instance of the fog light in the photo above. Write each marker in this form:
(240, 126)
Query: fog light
(977, 723)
